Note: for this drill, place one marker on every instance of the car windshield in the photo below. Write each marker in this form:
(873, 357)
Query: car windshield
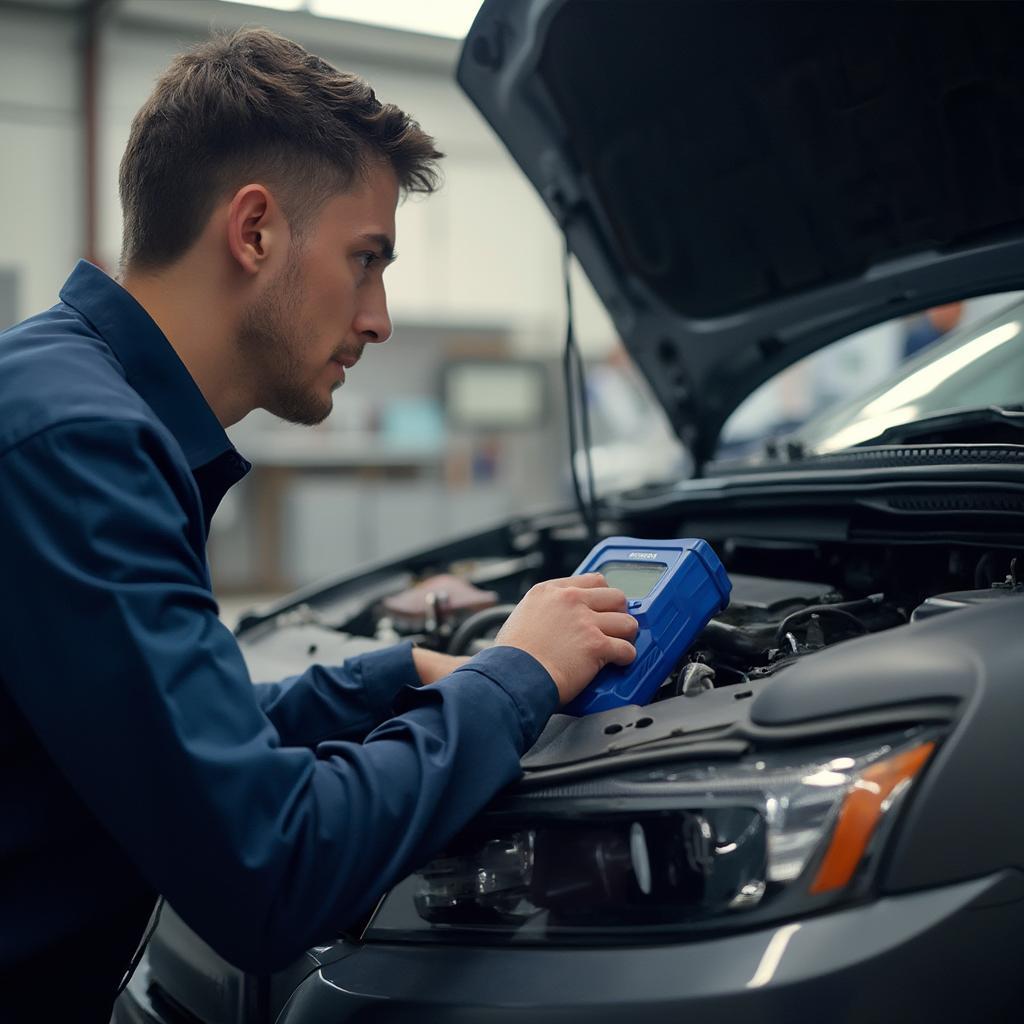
(978, 364)
(973, 368)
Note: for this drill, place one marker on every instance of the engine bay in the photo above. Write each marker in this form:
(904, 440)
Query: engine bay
(789, 602)
(770, 623)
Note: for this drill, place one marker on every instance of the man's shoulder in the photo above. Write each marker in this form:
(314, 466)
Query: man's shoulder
(55, 368)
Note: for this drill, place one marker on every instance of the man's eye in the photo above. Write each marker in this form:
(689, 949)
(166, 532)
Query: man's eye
(367, 258)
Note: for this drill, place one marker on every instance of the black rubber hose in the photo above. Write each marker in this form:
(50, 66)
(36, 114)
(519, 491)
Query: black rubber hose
(749, 640)
(476, 625)
(817, 609)
(753, 639)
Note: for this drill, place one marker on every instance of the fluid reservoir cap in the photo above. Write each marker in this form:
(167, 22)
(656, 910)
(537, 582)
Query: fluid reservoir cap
(409, 609)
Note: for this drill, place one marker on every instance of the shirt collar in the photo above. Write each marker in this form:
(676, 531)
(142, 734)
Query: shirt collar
(151, 365)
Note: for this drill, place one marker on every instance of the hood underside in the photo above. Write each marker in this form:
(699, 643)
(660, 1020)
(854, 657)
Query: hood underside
(746, 182)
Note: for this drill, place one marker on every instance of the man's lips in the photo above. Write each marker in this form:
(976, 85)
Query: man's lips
(343, 363)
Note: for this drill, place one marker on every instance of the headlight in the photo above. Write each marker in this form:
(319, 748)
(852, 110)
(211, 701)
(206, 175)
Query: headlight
(660, 852)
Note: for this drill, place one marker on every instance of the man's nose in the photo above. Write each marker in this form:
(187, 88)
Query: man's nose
(372, 322)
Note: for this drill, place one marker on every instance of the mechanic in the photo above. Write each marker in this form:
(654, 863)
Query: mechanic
(258, 188)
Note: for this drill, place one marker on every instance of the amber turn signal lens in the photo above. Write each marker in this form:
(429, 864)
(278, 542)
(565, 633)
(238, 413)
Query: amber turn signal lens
(861, 811)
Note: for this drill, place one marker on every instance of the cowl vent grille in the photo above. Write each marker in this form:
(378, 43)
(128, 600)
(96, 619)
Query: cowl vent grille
(889, 457)
(917, 455)
(1004, 503)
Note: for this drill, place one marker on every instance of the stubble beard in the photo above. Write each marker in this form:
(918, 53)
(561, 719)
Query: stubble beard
(271, 338)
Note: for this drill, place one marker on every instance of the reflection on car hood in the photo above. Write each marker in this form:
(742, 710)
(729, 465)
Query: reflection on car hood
(746, 182)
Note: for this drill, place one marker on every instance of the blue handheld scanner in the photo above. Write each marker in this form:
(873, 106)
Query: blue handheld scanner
(672, 587)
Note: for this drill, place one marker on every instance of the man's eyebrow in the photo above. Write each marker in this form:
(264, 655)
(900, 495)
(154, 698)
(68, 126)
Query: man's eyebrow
(383, 242)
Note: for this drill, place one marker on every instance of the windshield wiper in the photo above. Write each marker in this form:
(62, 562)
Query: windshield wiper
(784, 448)
(952, 426)
(961, 426)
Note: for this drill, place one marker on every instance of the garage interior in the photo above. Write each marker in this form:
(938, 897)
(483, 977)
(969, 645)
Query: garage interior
(478, 282)
(460, 419)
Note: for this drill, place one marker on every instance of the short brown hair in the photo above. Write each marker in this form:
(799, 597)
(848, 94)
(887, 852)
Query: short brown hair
(248, 106)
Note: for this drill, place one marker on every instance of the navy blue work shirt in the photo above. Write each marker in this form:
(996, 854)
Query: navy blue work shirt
(136, 755)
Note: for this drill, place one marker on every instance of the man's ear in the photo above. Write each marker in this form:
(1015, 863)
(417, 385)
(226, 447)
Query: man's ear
(255, 227)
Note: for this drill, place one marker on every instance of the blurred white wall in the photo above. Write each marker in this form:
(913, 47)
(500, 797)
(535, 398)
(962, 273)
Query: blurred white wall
(41, 191)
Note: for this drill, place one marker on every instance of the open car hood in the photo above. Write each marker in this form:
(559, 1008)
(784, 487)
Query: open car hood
(744, 183)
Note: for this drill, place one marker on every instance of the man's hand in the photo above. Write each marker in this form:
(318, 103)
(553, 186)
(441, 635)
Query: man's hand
(433, 665)
(573, 627)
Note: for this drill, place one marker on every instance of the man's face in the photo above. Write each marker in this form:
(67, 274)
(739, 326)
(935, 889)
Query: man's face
(313, 321)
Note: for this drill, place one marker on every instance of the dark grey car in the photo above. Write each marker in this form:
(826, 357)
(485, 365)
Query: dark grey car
(818, 816)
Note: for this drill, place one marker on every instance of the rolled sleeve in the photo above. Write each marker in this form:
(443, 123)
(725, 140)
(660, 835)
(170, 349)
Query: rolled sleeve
(527, 683)
(384, 674)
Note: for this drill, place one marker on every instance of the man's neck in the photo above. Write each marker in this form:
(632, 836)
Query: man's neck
(187, 304)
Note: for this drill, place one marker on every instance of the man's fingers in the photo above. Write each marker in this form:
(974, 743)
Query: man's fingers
(604, 599)
(619, 652)
(617, 624)
(585, 582)
(588, 579)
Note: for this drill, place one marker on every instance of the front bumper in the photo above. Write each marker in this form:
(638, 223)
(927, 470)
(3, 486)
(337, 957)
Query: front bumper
(942, 954)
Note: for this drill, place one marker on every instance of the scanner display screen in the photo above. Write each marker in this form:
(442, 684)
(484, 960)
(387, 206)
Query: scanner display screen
(635, 580)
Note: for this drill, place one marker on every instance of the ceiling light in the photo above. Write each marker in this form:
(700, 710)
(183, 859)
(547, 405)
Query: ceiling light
(277, 5)
(447, 18)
